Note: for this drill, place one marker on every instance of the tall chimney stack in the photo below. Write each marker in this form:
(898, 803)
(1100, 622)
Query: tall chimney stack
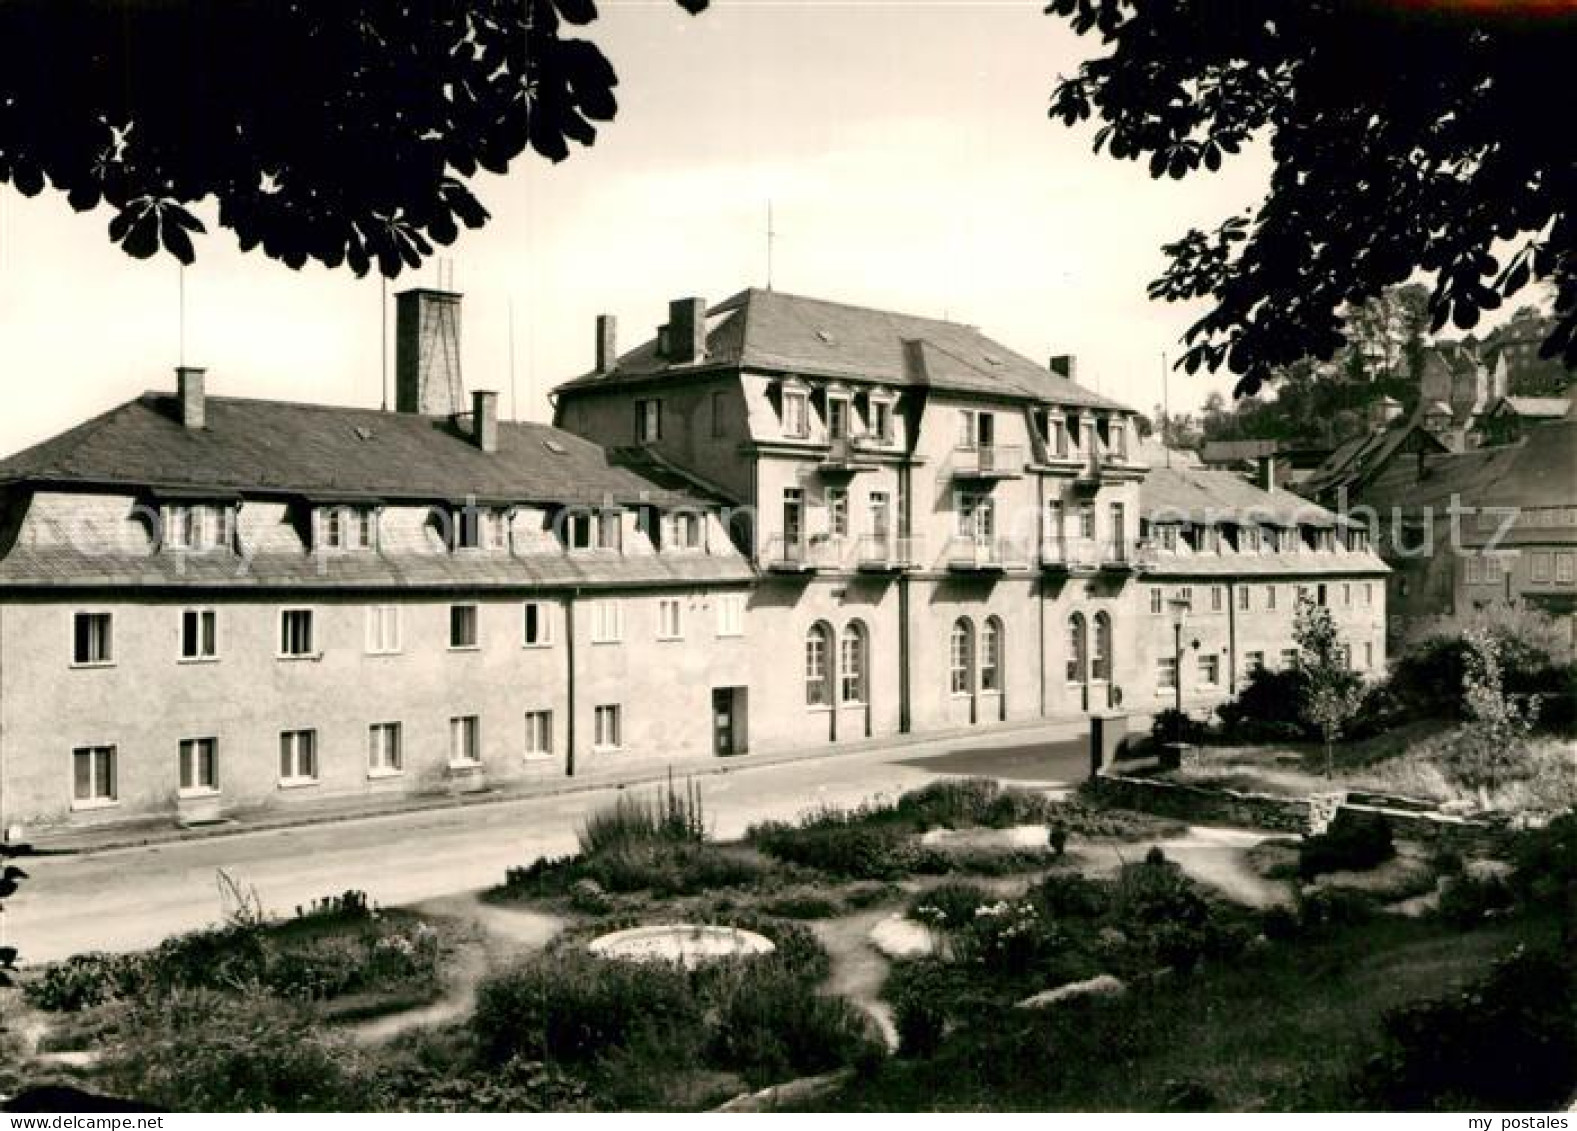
(1065, 365)
(1266, 473)
(484, 419)
(194, 401)
(687, 329)
(607, 343)
(427, 353)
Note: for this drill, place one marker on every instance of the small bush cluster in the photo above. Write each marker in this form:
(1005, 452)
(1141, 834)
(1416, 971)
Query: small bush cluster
(972, 803)
(1355, 842)
(672, 816)
(856, 844)
(634, 1025)
(301, 960)
(1507, 1043)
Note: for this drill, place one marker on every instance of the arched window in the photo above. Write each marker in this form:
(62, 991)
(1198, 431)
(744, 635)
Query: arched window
(851, 663)
(991, 655)
(818, 666)
(961, 654)
(1101, 667)
(1076, 648)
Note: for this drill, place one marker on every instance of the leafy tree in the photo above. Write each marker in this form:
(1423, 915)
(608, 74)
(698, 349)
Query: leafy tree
(1431, 161)
(343, 132)
(1490, 745)
(1332, 692)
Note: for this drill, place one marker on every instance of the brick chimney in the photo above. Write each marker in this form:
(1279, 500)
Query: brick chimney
(1065, 365)
(194, 402)
(686, 328)
(607, 343)
(484, 419)
(427, 353)
(1265, 473)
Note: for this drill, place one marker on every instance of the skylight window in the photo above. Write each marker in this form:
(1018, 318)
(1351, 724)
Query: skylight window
(555, 447)
(825, 336)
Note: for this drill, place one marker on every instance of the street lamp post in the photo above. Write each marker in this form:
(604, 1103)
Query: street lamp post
(1180, 607)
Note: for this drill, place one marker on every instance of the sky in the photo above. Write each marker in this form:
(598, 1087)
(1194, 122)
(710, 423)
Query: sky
(905, 149)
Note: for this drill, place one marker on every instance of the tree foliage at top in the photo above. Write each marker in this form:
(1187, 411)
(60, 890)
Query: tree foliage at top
(342, 131)
(1404, 137)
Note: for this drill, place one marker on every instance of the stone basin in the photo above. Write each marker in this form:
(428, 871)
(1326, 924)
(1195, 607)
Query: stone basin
(689, 944)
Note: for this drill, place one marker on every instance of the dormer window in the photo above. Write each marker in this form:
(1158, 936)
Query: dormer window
(481, 528)
(588, 530)
(881, 420)
(1358, 540)
(796, 411)
(198, 527)
(1167, 537)
(1248, 539)
(839, 411)
(688, 530)
(1057, 436)
(1117, 438)
(347, 528)
(648, 421)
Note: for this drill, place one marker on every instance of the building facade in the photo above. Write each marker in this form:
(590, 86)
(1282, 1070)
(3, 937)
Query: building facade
(780, 523)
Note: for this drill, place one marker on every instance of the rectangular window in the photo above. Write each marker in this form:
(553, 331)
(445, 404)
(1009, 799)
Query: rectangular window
(1218, 596)
(463, 626)
(882, 422)
(1157, 600)
(539, 734)
(383, 630)
(648, 421)
(1270, 597)
(1289, 658)
(975, 516)
(199, 765)
(669, 625)
(1368, 657)
(295, 632)
(1541, 564)
(731, 614)
(687, 527)
(346, 528)
(968, 428)
(1243, 597)
(851, 668)
(385, 756)
(837, 512)
(93, 639)
(1368, 593)
(607, 621)
(1347, 594)
(200, 527)
(465, 740)
(796, 415)
(1565, 568)
(298, 757)
(1185, 594)
(608, 727)
(1166, 673)
(199, 634)
(93, 775)
(837, 418)
(537, 628)
(1059, 437)
(1253, 662)
(1210, 670)
(817, 691)
(719, 415)
(1087, 520)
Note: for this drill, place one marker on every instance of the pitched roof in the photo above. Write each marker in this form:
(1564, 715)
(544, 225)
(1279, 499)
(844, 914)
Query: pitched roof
(319, 450)
(1545, 407)
(1199, 494)
(778, 332)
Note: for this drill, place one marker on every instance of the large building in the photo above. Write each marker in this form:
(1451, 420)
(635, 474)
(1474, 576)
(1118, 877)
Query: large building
(780, 523)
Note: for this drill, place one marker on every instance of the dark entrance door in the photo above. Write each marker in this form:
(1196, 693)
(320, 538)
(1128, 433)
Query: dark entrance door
(723, 743)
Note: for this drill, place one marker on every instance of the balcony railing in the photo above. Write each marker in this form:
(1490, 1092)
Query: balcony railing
(884, 552)
(850, 454)
(1075, 555)
(986, 554)
(805, 554)
(989, 461)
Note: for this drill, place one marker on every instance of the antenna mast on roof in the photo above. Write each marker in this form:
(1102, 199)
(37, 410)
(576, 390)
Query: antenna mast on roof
(1166, 408)
(383, 337)
(771, 236)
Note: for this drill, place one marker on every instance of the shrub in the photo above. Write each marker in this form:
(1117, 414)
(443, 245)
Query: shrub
(918, 996)
(569, 1008)
(971, 802)
(1071, 896)
(1262, 710)
(1172, 725)
(1008, 937)
(351, 904)
(518, 1086)
(1507, 1043)
(1467, 900)
(1324, 910)
(802, 905)
(82, 981)
(671, 816)
(1164, 916)
(196, 1050)
(1545, 861)
(848, 844)
(1355, 842)
(771, 1028)
(948, 905)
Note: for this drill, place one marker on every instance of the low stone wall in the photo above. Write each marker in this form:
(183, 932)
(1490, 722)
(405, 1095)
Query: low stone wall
(1201, 805)
(1205, 805)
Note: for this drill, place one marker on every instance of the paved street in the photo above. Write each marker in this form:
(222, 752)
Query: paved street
(131, 898)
